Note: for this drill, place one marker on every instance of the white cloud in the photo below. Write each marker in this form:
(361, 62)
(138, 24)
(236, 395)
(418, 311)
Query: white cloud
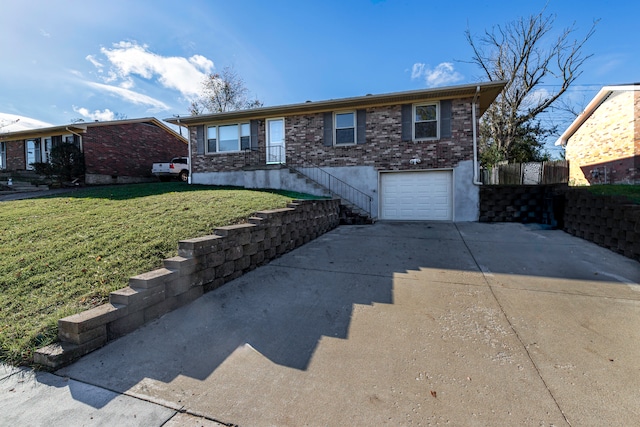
(443, 74)
(15, 123)
(131, 96)
(103, 116)
(43, 33)
(417, 70)
(94, 61)
(130, 59)
(535, 97)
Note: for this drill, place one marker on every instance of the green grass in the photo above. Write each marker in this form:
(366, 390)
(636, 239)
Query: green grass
(631, 192)
(62, 255)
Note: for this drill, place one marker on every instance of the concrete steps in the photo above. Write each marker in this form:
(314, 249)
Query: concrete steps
(349, 213)
(11, 186)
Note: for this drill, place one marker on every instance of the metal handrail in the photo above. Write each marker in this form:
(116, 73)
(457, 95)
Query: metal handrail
(336, 186)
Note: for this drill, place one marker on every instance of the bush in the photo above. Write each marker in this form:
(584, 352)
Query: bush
(66, 163)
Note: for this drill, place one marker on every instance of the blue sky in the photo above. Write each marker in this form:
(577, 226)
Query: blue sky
(66, 60)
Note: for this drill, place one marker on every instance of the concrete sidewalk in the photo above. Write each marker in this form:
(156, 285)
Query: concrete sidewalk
(394, 323)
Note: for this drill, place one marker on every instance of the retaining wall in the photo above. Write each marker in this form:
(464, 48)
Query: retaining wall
(611, 222)
(608, 221)
(522, 203)
(202, 264)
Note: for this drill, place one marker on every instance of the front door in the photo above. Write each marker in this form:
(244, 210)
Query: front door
(275, 141)
(33, 153)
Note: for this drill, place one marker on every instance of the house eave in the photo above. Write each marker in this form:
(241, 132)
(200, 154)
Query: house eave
(595, 103)
(488, 92)
(81, 128)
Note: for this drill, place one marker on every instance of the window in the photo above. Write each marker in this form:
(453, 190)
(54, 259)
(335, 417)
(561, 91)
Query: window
(3, 156)
(212, 139)
(425, 121)
(345, 128)
(47, 149)
(227, 138)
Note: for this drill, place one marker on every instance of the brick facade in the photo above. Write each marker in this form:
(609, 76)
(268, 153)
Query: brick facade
(605, 149)
(16, 155)
(383, 149)
(114, 152)
(129, 149)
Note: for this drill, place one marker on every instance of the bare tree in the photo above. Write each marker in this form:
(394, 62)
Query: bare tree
(525, 55)
(222, 92)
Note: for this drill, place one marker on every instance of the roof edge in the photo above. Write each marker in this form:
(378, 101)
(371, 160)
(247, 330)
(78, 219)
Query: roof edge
(489, 89)
(591, 107)
(81, 127)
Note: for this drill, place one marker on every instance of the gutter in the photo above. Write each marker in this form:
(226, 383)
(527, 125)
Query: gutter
(593, 105)
(476, 169)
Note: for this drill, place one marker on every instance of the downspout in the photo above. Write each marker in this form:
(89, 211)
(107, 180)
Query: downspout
(476, 171)
(189, 148)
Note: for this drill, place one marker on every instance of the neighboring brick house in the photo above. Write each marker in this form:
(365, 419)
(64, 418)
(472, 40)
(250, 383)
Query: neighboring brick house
(413, 153)
(602, 145)
(120, 151)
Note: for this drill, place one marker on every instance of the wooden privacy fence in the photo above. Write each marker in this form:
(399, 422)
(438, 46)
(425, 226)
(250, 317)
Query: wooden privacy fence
(532, 173)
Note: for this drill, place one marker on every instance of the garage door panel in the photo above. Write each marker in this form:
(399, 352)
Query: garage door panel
(417, 195)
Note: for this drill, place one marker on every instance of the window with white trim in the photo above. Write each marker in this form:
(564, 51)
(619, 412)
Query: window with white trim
(425, 121)
(345, 128)
(3, 156)
(228, 138)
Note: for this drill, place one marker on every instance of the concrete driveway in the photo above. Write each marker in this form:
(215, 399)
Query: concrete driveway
(396, 324)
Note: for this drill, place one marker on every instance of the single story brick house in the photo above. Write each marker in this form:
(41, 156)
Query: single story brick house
(602, 144)
(120, 151)
(397, 156)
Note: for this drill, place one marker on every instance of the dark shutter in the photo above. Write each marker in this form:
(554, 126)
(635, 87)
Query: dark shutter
(254, 135)
(328, 130)
(445, 119)
(56, 140)
(362, 126)
(407, 122)
(200, 139)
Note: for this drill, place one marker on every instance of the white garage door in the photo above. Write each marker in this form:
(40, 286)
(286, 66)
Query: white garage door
(417, 195)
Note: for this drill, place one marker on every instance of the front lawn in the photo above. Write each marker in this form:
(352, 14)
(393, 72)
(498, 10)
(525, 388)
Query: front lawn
(62, 255)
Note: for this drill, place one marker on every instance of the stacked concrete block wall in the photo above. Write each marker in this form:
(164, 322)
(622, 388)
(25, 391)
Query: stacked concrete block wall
(521, 203)
(607, 221)
(203, 264)
(611, 222)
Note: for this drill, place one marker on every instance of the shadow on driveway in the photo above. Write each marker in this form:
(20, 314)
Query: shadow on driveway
(282, 312)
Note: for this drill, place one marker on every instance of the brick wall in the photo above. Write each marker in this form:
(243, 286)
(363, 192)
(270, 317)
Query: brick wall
(383, 149)
(16, 156)
(129, 149)
(202, 264)
(607, 221)
(608, 135)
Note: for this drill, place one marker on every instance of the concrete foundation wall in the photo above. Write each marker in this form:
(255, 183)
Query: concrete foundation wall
(202, 264)
(363, 178)
(466, 195)
(97, 179)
